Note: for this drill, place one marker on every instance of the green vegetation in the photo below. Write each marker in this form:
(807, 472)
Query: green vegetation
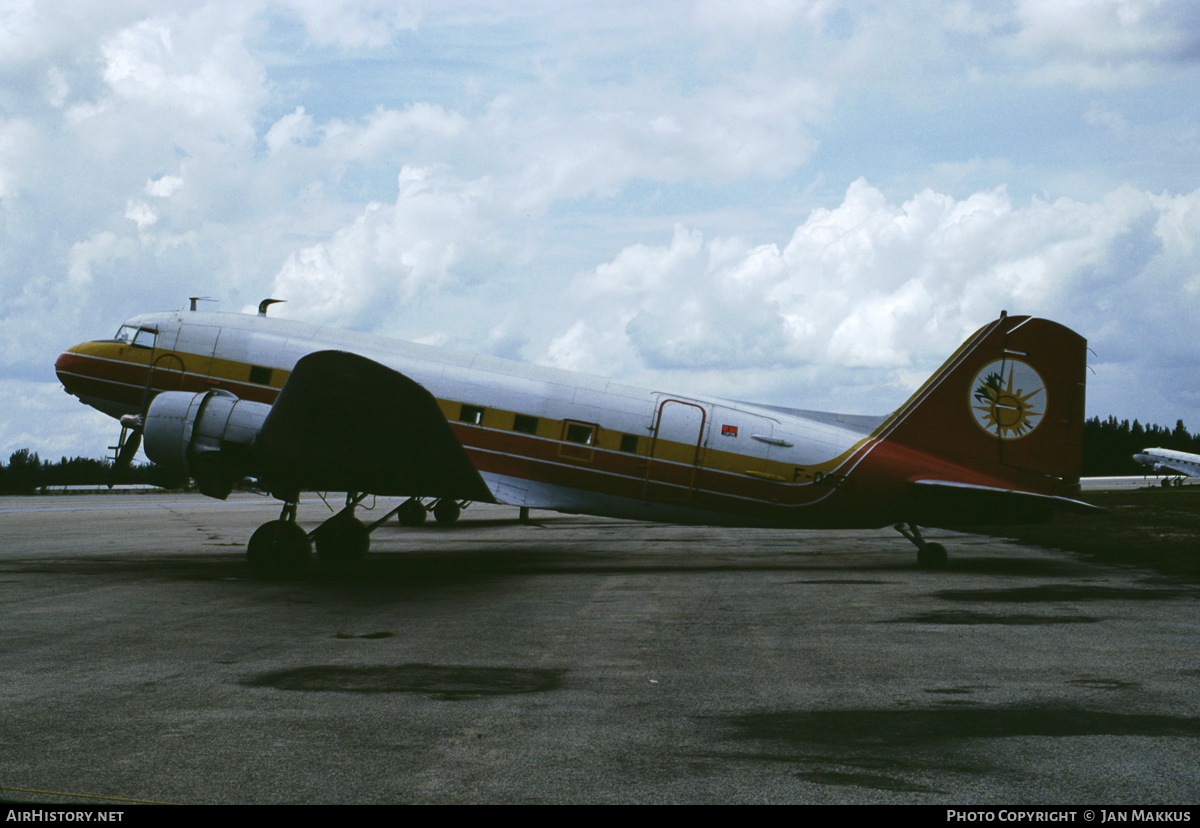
(26, 473)
(1152, 527)
(1109, 446)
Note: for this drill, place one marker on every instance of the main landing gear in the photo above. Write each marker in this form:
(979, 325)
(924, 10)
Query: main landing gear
(281, 550)
(929, 555)
(413, 512)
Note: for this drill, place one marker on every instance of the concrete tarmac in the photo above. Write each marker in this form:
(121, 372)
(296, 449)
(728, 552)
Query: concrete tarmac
(580, 660)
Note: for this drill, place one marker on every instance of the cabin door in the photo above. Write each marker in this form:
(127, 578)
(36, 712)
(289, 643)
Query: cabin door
(676, 450)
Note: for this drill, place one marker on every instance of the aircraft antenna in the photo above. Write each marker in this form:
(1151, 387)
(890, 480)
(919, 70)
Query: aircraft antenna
(266, 303)
(195, 299)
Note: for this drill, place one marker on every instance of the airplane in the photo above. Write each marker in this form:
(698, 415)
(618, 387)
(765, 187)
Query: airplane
(995, 436)
(1170, 462)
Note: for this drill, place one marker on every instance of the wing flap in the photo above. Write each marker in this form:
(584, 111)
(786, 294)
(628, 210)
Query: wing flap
(347, 423)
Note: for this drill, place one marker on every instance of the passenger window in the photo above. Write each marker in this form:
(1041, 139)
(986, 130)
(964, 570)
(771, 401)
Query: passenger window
(525, 424)
(629, 443)
(260, 375)
(580, 433)
(471, 414)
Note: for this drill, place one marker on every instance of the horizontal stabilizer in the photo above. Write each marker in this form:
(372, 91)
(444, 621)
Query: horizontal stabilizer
(950, 505)
(347, 423)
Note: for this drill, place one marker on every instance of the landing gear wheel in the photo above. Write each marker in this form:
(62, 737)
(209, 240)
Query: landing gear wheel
(278, 551)
(342, 541)
(932, 556)
(446, 512)
(1166, 482)
(411, 513)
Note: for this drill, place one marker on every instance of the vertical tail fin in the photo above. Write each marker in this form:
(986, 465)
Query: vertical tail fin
(1007, 406)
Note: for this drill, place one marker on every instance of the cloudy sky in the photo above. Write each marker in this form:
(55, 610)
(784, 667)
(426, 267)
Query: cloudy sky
(802, 202)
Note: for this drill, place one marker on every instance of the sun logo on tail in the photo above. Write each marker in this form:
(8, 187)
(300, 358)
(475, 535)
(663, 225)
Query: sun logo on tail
(1006, 401)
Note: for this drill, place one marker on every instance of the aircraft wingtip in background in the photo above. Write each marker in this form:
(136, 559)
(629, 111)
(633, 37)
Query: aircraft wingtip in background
(994, 436)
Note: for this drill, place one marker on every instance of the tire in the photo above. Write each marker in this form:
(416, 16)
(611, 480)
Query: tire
(278, 551)
(412, 513)
(932, 556)
(446, 512)
(342, 541)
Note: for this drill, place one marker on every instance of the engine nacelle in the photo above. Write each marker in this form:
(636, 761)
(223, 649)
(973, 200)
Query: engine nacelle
(209, 435)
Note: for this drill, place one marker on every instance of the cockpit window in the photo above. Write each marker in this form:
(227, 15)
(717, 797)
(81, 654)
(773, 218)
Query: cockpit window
(144, 338)
(138, 337)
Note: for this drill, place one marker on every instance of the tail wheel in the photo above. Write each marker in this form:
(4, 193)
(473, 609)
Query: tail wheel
(932, 556)
(278, 551)
(446, 512)
(929, 555)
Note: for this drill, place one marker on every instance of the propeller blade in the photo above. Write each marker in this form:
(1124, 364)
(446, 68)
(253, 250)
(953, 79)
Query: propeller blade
(127, 446)
(128, 450)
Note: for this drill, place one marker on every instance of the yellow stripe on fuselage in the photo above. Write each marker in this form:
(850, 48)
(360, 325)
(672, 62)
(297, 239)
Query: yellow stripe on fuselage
(234, 376)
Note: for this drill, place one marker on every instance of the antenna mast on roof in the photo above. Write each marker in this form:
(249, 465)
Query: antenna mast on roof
(266, 303)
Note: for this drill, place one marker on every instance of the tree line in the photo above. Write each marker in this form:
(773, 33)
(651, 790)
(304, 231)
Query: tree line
(1109, 445)
(1108, 449)
(26, 473)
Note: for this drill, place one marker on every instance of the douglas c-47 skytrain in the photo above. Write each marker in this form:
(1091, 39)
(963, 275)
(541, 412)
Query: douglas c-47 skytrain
(1176, 464)
(994, 436)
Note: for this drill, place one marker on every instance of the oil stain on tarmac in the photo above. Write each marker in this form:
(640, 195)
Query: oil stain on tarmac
(1064, 592)
(903, 750)
(971, 617)
(914, 728)
(442, 682)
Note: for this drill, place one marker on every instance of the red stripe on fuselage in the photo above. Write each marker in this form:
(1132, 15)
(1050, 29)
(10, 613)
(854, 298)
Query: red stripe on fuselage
(867, 489)
(124, 382)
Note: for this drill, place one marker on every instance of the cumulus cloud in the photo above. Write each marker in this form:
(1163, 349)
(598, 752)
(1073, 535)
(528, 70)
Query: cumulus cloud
(1098, 42)
(17, 142)
(875, 285)
(390, 254)
(40, 417)
(571, 185)
(191, 73)
(104, 247)
(354, 24)
(163, 186)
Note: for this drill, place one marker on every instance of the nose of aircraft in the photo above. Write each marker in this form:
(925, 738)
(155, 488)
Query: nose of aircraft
(66, 366)
(85, 371)
(102, 374)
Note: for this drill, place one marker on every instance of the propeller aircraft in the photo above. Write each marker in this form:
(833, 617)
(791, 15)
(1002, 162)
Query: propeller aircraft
(994, 436)
(1176, 465)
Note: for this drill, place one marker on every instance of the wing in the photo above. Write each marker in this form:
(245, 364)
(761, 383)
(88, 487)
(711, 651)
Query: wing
(1174, 468)
(347, 423)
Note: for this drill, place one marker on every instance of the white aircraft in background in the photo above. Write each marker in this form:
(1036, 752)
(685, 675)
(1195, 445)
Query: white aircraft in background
(995, 436)
(1170, 462)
